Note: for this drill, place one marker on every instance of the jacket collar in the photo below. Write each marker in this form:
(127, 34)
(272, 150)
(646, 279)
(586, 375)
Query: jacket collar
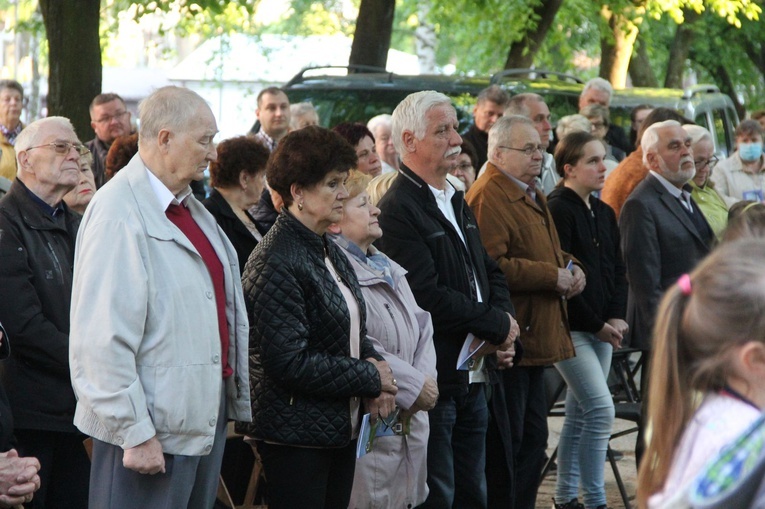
(674, 207)
(564, 193)
(365, 273)
(288, 222)
(156, 222)
(32, 214)
(512, 191)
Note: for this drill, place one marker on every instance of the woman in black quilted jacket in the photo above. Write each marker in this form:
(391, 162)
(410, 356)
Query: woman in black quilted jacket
(311, 363)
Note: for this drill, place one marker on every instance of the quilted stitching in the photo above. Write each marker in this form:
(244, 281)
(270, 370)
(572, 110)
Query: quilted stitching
(302, 376)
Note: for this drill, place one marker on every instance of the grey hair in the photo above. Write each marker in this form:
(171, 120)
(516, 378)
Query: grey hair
(698, 133)
(597, 110)
(519, 104)
(30, 135)
(410, 115)
(571, 124)
(502, 130)
(377, 121)
(599, 84)
(651, 137)
(299, 110)
(168, 108)
(493, 93)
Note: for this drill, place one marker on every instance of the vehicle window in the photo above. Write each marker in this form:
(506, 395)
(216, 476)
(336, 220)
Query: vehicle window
(560, 105)
(731, 123)
(716, 122)
(336, 106)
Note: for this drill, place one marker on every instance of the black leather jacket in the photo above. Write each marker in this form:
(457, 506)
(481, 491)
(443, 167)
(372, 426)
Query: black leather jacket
(36, 263)
(301, 373)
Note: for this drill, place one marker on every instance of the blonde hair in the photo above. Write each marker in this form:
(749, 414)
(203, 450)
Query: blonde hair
(697, 328)
(356, 183)
(379, 185)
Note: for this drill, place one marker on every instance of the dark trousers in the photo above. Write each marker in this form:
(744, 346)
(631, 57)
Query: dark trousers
(527, 409)
(457, 451)
(307, 477)
(500, 477)
(640, 441)
(65, 468)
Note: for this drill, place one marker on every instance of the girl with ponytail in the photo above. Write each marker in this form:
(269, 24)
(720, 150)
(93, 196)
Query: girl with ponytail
(707, 369)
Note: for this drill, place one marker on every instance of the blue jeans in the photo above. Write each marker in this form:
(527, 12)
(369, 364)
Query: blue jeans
(457, 451)
(588, 423)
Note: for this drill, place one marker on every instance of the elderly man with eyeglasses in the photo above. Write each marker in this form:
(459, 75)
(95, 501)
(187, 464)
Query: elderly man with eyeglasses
(110, 119)
(37, 235)
(703, 191)
(518, 231)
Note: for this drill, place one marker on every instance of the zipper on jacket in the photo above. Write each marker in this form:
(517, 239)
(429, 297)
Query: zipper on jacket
(59, 268)
(398, 342)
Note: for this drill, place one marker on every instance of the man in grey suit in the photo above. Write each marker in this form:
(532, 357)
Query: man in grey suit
(664, 234)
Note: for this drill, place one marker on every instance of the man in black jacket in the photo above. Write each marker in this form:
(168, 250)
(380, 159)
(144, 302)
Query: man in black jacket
(599, 91)
(428, 229)
(489, 106)
(37, 234)
(18, 476)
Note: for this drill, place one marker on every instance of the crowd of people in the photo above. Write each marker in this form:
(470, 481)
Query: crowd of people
(375, 305)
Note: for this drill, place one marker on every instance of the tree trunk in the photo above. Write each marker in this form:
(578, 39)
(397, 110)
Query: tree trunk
(616, 46)
(640, 68)
(521, 54)
(425, 40)
(374, 26)
(74, 75)
(724, 80)
(679, 50)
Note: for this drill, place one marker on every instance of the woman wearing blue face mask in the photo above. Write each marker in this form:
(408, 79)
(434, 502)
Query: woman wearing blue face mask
(742, 175)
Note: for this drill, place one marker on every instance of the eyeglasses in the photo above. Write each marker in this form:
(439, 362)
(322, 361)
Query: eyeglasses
(63, 147)
(108, 118)
(464, 167)
(527, 151)
(711, 162)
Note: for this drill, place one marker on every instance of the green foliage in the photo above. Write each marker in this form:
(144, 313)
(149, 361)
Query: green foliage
(186, 17)
(309, 17)
(731, 10)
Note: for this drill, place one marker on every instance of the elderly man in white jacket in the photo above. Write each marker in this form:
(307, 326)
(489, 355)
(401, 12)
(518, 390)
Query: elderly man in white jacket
(158, 345)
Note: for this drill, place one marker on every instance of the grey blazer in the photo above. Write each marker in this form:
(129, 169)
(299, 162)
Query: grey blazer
(659, 244)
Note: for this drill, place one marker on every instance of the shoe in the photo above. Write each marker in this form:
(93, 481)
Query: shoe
(573, 504)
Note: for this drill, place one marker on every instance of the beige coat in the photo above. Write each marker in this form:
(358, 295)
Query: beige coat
(521, 236)
(394, 474)
(7, 159)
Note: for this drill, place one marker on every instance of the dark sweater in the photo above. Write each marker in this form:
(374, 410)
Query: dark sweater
(480, 141)
(592, 236)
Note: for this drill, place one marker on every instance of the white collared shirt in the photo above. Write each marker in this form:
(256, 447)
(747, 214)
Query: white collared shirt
(163, 194)
(681, 194)
(444, 202)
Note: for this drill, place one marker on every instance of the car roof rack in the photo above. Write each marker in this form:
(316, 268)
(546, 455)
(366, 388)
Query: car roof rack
(298, 78)
(693, 90)
(500, 76)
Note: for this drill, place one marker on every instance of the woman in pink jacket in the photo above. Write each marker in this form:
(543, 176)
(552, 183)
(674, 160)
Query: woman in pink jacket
(394, 473)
